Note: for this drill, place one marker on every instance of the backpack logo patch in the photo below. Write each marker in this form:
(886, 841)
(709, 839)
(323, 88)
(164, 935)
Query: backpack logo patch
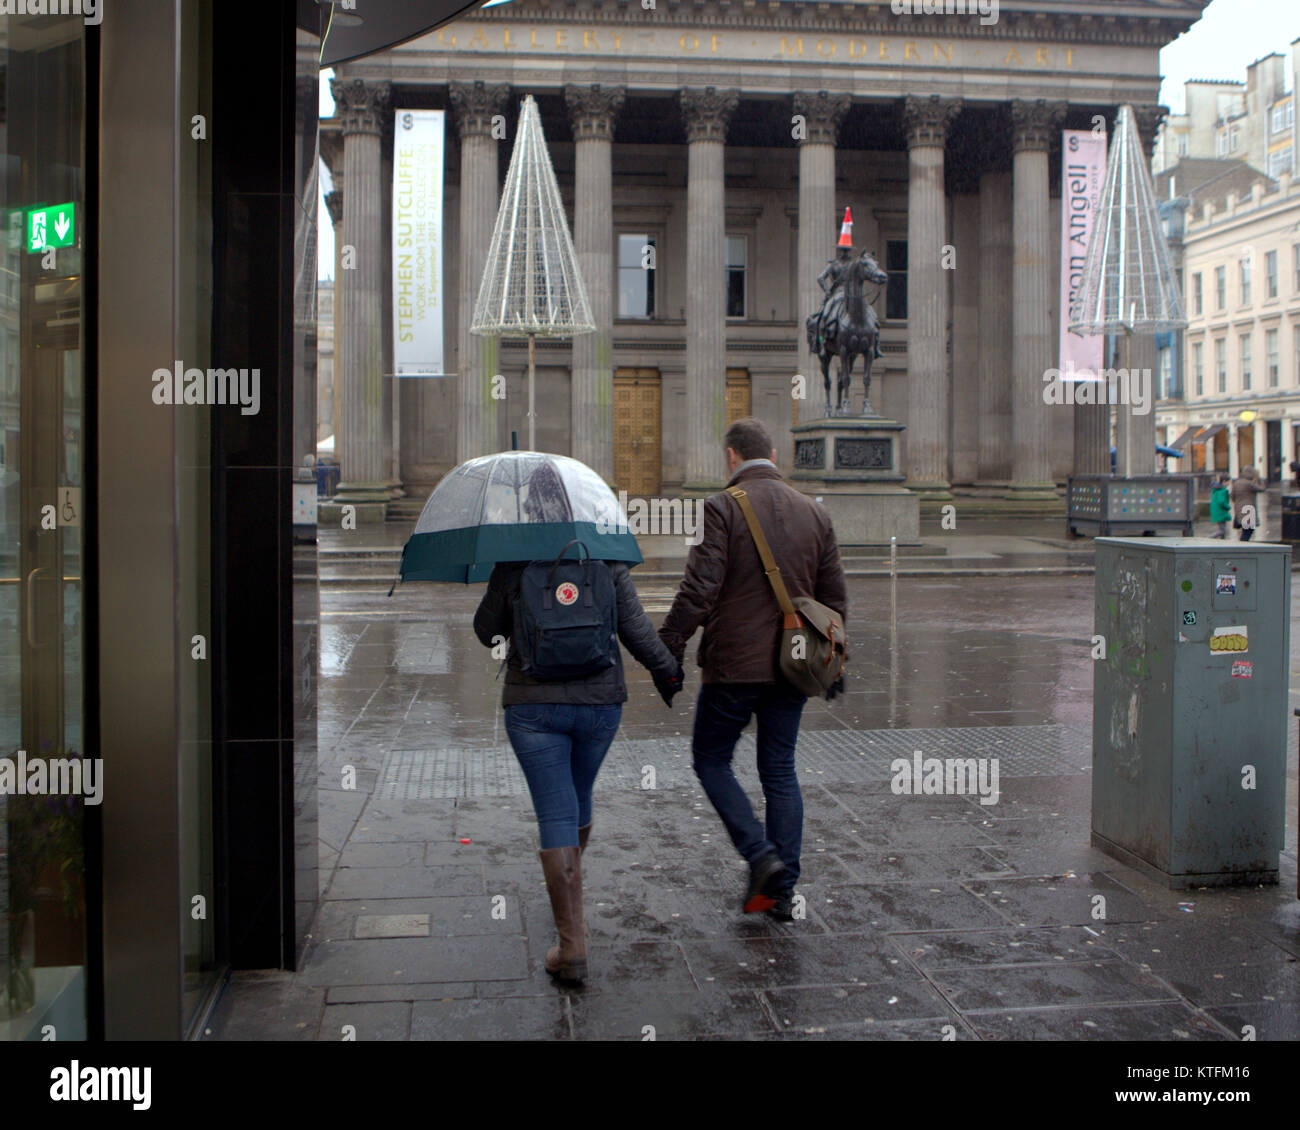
(566, 593)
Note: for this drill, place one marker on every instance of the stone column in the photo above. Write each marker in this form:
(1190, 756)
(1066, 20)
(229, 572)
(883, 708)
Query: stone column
(362, 108)
(995, 326)
(334, 202)
(707, 112)
(475, 104)
(926, 121)
(1033, 125)
(592, 110)
(819, 223)
(1141, 429)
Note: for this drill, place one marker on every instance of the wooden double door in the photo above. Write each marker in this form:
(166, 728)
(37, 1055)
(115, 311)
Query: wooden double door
(638, 425)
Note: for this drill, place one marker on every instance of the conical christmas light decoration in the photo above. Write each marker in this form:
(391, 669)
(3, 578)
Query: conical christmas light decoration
(1128, 276)
(531, 286)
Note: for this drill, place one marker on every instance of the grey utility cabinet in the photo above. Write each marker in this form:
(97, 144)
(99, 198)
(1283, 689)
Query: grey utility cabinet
(1190, 707)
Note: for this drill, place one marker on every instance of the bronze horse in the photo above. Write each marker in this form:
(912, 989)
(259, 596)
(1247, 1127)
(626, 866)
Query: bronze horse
(847, 328)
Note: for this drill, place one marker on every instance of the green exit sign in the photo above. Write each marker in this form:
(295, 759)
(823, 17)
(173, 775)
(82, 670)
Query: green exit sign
(54, 226)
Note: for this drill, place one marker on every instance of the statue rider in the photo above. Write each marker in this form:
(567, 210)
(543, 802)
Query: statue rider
(831, 280)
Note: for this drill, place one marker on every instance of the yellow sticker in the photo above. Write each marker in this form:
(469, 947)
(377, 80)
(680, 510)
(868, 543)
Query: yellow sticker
(1233, 640)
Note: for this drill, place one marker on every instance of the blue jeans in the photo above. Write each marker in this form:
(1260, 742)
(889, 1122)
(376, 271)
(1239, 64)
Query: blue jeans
(560, 748)
(721, 713)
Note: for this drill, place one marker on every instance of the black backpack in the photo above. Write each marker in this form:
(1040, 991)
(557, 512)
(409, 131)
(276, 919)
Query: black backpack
(566, 618)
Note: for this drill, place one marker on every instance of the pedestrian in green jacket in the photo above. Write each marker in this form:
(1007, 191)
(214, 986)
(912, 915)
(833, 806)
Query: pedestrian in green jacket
(1220, 508)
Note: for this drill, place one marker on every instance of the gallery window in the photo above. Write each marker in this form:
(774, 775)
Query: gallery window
(737, 254)
(636, 275)
(896, 288)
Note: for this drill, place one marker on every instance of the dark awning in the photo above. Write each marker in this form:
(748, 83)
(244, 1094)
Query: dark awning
(376, 25)
(1181, 441)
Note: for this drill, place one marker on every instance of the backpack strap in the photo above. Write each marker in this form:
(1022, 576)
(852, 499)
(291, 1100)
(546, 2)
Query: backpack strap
(770, 568)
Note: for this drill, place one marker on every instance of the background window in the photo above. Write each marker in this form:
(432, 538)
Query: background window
(896, 288)
(1270, 359)
(1198, 291)
(1270, 274)
(736, 253)
(1245, 282)
(1220, 287)
(1244, 355)
(1221, 365)
(1198, 368)
(636, 275)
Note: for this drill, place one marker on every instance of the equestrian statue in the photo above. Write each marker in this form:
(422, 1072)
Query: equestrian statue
(846, 326)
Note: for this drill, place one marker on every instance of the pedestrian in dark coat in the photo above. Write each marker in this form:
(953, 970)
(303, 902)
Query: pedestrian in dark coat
(726, 591)
(560, 732)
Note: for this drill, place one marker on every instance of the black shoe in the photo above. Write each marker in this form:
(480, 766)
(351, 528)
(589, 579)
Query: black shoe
(782, 909)
(763, 884)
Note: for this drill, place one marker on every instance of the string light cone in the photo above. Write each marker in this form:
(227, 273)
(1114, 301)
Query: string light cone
(1128, 283)
(531, 286)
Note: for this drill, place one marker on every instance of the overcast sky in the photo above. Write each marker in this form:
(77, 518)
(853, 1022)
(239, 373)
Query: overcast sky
(1230, 36)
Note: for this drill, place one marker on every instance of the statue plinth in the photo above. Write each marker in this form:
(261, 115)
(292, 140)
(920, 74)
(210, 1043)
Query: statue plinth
(851, 465)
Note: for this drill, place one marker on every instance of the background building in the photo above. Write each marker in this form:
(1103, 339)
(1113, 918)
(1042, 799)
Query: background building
(1241, 261)
(672, 128)
(1252, 121)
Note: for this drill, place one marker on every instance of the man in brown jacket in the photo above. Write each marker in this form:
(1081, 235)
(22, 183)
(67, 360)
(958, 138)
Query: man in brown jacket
(726, 591)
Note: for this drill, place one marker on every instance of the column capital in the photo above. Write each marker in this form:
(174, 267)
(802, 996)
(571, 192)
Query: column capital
(334, 202)
(592, 110)
(926, 120)
(476, 104)
(360, 106)
(708, 111)
(823, 114)
(1033, 123)
(1148, 120)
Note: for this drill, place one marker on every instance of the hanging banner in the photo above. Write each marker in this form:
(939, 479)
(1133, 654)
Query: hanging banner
(417, 243)
(1083, 171)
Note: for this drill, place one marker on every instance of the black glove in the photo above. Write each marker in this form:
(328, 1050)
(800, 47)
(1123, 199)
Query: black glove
(668, 685)
(835, 688)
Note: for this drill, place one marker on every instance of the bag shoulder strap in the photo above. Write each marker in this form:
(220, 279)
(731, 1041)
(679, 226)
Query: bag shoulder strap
(770, 569)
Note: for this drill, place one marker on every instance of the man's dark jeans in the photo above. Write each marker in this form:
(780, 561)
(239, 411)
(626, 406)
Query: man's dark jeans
(721, 713)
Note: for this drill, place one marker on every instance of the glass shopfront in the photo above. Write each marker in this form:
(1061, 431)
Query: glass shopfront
(47, 774)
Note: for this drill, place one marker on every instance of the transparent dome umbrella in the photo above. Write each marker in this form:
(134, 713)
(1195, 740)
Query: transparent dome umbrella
(515, 506)
(531, 286)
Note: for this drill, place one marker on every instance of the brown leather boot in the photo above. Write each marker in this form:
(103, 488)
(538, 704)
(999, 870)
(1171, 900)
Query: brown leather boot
(584, 833)
(563, 870)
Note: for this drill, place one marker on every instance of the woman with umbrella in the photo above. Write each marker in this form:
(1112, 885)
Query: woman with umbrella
(506, 511)
(561, 730)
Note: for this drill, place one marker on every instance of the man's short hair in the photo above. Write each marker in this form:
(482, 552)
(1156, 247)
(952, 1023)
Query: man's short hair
(749, 438)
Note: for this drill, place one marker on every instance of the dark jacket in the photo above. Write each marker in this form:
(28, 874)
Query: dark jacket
(495, 617)
(726, 590)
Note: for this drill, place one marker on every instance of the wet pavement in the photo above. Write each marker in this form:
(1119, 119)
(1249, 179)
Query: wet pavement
(927, 917)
